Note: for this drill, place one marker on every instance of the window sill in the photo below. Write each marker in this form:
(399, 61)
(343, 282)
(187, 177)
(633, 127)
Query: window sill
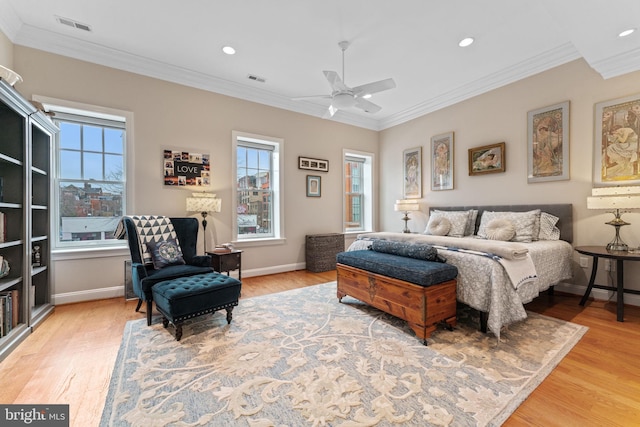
(258, 242)
(64, 254)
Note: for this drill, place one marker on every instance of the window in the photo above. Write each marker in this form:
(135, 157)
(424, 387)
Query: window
(358, 191)
(90, 179)
(257, 197)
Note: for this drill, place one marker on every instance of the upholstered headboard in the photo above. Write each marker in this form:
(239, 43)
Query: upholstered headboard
(564, 211)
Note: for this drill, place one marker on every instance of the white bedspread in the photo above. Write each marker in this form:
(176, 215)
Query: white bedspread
(484, 284)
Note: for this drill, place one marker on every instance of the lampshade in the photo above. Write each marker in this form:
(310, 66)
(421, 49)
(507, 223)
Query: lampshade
(204, 202)
(614, 198)
(406, 205)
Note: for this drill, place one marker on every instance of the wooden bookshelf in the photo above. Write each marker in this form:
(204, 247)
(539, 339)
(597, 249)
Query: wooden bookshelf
(26, 141)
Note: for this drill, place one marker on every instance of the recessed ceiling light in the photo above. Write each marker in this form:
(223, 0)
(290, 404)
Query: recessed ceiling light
(467, 41)
(228, 50)
(625, 33)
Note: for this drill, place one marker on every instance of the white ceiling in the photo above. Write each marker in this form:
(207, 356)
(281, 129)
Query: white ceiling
(290, 42)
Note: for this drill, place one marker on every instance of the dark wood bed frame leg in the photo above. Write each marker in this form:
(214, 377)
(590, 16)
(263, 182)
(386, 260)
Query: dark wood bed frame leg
(551, 291)
(484, 317)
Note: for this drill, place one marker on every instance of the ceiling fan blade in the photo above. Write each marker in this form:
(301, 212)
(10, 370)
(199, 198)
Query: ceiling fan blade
(374, 87)
(330, 112)
(335, 81)
(302, 98)
(367, 106)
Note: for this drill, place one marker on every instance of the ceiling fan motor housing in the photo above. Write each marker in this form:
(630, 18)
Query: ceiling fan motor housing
(343, 100)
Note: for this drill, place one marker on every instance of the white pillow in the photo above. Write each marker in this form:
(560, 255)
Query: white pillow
(470, 228)
(525, 224)
(439, 226)
(548, 229)
(500, 229)
(457, 219)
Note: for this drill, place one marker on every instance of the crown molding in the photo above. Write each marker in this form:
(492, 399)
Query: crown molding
(617, 65)
(85, 51)
(90, 52)
(545, 61)
(10, 23)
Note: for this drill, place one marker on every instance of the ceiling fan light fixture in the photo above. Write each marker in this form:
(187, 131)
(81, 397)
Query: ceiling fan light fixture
(366, 96)
(467, 41)
(343, 100)
(626, 33)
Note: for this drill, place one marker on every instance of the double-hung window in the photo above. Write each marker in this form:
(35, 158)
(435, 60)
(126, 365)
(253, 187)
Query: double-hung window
(358, 191)
(258, 197)
(90, 179)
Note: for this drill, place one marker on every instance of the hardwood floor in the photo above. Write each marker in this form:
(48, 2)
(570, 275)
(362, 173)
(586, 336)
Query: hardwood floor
(69, 359)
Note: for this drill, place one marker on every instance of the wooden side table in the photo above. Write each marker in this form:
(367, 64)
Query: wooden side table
(227, 262)
(620, 256)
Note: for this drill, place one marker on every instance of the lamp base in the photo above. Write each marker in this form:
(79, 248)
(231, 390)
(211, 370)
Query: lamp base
(406, 226)
(617, 244)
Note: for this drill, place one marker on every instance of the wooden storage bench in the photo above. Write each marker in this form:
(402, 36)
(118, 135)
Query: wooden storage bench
(423, 306)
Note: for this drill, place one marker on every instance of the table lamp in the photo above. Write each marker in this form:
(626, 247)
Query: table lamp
(406, 206)
(615, 199)
(204, 203)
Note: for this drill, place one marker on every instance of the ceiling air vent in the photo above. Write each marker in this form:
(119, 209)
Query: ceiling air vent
(256, 78)
(74, 24)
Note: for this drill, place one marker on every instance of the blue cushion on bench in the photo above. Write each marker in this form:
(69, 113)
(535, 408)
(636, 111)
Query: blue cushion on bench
(412, 270)
(411, 250)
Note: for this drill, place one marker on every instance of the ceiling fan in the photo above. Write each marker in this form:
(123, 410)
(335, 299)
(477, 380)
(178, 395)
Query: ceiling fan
(344, 97)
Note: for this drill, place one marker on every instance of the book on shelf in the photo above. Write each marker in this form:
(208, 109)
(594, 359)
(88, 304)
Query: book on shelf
(6, 318)
(15, 301)
(3, 227)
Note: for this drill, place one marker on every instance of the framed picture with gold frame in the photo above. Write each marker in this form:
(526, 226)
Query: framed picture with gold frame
(487, 159)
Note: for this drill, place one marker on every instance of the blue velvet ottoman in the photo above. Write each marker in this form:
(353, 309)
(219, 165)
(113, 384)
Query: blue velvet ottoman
(186, 297)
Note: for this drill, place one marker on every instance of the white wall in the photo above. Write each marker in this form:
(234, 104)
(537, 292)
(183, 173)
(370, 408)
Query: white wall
(168, 115)
(501, 115)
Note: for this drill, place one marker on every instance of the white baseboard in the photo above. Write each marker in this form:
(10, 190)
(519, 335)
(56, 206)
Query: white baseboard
(273, 270)
(118, 291)
(600, 294)
(88, 295)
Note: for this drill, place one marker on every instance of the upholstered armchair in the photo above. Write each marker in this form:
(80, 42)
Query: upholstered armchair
(145, 271)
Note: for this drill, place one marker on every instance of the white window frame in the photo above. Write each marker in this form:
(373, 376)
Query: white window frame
(81, 109)
(277, 182)
(368, 202)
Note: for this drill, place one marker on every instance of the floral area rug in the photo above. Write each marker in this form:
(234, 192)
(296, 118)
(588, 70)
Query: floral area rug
(301, 358)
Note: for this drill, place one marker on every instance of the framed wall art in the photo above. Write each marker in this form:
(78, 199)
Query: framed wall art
(442, 162)
(616, 151)
(314, 186)
(412, 173)
(313, 164)
(185, 169)
(548, 143)
(487, 159)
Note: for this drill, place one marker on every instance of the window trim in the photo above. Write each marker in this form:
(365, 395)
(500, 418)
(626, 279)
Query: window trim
(278, 188)
(106, 113)
(369, 196)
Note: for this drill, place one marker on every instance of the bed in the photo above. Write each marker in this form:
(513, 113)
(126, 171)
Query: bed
(484, 280)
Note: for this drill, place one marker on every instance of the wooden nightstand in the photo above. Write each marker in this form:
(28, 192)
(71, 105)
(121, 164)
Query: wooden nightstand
(227, 261)
(619, 256)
